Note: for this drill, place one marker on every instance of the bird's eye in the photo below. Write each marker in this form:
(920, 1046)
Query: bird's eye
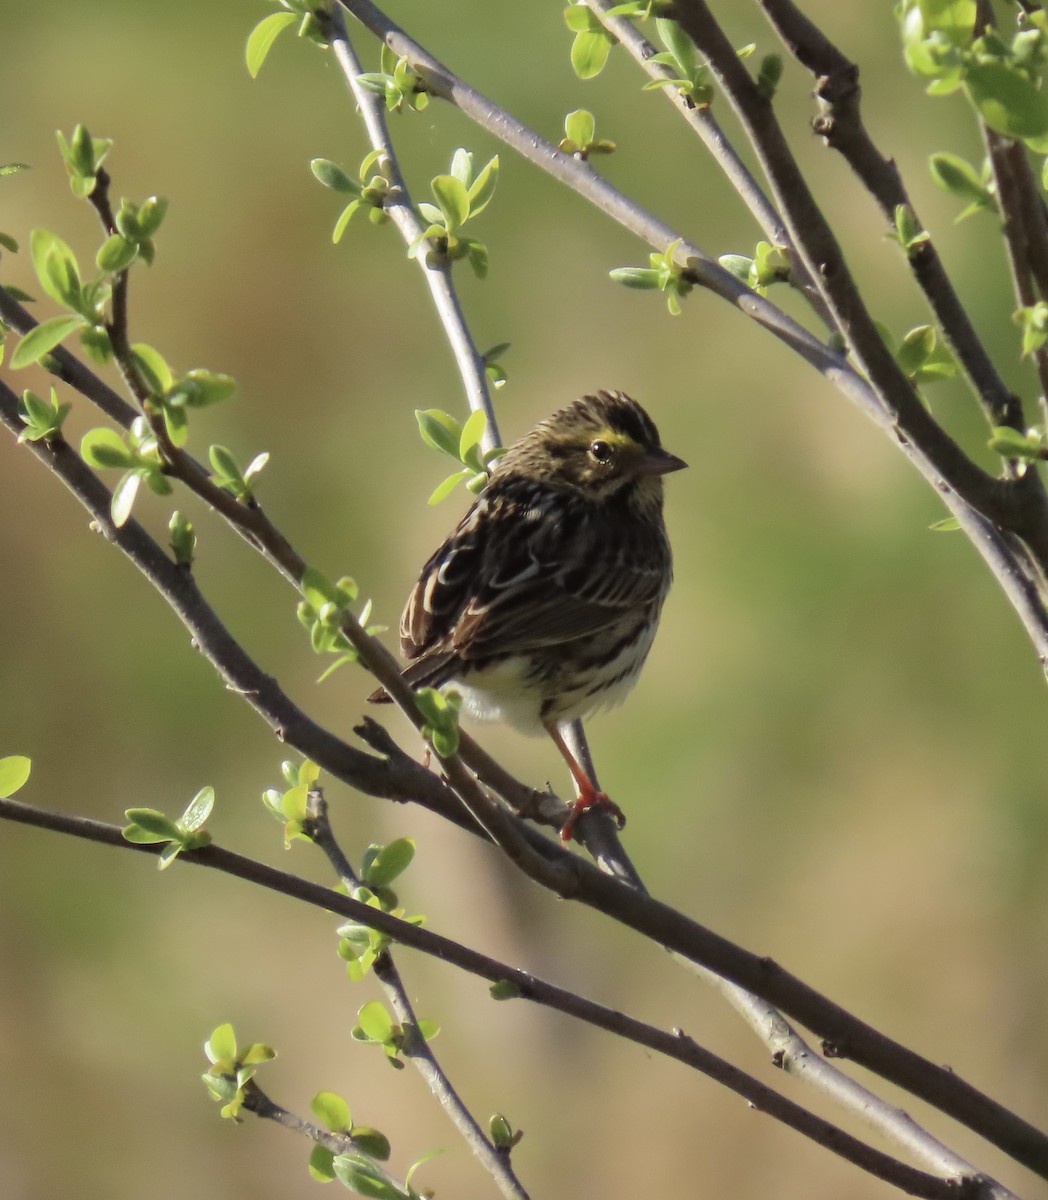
(601, 452)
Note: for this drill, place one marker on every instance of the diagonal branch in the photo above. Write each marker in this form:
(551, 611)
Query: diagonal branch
(841, 125)
(701, 119)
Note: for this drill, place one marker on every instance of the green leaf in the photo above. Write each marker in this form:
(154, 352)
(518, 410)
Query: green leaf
(947, 525)
(470, 438)
(447, 486)
(153, 367)
(635, 277)
(200, 388)
(43, 338)
(151, 213)
(953, 174)
(321, 1164)
(123, 498)
(453, 199)
(221, 1046)
(373, 1142)
(580, 127)
(56, 267)
(579, 19)
(483, 187)
(183, 538)
(504, 989)
(439, 430)
(106, 449)
(117, 253)
(955, 18)
(1007, 101)
(589, 53)
(14, 771)
(365, 1177)
(331, 175)
(391, 861)
(330, 1108)
(679, 44)
(375, 1021)
(260, 40)
(199, 809)
(157, 825)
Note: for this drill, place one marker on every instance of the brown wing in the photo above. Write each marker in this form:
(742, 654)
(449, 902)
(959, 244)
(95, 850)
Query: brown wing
(513, 578)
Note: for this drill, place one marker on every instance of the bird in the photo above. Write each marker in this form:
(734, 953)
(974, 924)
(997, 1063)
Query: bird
(542, 604)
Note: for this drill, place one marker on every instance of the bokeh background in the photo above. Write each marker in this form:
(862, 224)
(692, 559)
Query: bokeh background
(836, 755)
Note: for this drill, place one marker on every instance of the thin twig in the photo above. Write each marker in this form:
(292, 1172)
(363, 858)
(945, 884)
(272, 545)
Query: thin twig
(701, 119)
(416, 1048)
(436, 268)
(792, 1054)
(841, 125)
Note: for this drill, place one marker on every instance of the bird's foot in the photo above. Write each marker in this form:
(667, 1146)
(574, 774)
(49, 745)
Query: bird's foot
(586, 802)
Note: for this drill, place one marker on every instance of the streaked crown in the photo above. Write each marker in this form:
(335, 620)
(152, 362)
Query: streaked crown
(600, 444)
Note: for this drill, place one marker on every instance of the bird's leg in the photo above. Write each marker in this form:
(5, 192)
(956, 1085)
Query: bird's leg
(589, 795)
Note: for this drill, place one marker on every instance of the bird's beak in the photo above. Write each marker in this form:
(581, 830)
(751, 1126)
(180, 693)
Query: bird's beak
(660, 462)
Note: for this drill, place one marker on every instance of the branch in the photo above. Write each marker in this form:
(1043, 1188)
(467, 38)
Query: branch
(676, 1044)
(416, 1048)
(724, 154)
(437, 272)
(790, 1052)
(841, 125)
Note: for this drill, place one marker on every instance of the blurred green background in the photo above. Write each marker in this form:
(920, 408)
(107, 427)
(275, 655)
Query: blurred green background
(835, 755)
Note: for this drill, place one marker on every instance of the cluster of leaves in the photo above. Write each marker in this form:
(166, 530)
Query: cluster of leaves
(460, 196)
(396, 82)
(148, 826)
(231, 1068)
(59, 274)
(662, 274)
(358, 1169)
(325, 609)
(228, 1081)
(369, 193)
(440, 711)
(43, 419)
(461, 442)
(376, 1027)
(769, 264)
(1004, 80)
(922, 355)
(580, 136)
(137, 454)
(958, 177)
(359, 944)
(1031, 446)
(291, 807)
(265, 33)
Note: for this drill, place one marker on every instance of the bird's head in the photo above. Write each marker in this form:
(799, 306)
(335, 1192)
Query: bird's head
(602, 445)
